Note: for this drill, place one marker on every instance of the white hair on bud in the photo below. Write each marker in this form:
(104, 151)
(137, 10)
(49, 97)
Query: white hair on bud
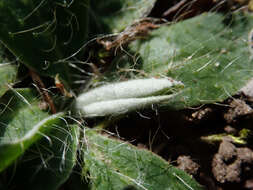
(120, 106)
(128, 89)
(250, 42)
(121, 97)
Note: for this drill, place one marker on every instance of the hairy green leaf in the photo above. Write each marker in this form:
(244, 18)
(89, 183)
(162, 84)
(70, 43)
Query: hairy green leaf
(209, 54)
(114, 164)
(8, 72)
(51, 160)
(21, 124)
(115, 15)
(41, 34)
(7, 75)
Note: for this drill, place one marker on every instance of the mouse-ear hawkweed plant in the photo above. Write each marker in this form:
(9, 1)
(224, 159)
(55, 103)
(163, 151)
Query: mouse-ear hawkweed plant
(59, 44)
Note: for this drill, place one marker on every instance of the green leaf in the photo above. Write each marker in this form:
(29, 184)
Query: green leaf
(116, 15)
(210, 57)
(113, 164)
(21, 124)
(8, 73)
(41, 33)
(209, 54)
(51, 160)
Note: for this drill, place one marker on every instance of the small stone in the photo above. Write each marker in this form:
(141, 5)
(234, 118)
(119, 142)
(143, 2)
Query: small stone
(234, 172)
(245, 155)
(237, 108)
(219, 168)
(227, 150)
(185, 163)
(230, 130)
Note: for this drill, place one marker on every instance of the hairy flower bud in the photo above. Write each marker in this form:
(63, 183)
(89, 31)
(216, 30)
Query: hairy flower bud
(122, 97)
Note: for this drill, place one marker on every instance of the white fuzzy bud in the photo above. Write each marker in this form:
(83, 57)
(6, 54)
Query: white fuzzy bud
(122, 97)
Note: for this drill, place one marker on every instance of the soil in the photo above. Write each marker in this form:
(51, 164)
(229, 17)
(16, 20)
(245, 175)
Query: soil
(231, 163)
(181, 138)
